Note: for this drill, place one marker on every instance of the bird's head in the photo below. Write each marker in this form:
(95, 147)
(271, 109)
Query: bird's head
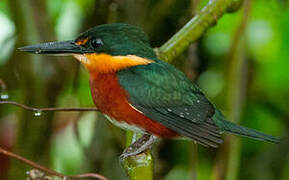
(104, 48)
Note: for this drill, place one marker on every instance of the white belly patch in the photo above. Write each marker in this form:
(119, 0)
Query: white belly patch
(124, 125)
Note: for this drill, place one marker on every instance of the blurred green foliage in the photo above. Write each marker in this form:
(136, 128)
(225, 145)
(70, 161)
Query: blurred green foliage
(85, 142)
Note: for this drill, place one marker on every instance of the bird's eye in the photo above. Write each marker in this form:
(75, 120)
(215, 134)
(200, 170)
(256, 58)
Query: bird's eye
(96, 43)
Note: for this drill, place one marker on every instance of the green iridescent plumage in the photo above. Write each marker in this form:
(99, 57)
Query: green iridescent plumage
(166, 95)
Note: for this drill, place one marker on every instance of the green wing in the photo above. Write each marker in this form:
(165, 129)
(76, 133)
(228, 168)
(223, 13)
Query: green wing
(167, 96)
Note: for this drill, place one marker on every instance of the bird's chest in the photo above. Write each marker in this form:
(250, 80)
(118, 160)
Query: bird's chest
(106, 92)
(110, 98)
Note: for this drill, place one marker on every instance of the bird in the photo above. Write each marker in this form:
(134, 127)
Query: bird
(137, 91)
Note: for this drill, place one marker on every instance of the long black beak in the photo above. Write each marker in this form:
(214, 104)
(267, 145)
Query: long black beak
(55, 48)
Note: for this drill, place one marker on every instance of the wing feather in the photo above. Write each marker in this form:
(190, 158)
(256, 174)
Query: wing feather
(166, 95)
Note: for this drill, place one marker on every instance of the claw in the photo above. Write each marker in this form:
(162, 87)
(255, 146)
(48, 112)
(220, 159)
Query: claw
(138, 147)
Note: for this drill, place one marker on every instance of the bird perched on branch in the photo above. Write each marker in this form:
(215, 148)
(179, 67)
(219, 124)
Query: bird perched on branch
(135, 90)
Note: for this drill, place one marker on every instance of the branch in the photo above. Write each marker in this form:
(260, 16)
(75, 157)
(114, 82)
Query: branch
(49, 171)
(140, 166)
(39, 110)
(196, 27)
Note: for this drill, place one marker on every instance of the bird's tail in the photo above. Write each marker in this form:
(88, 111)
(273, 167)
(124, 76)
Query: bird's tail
(230, 127)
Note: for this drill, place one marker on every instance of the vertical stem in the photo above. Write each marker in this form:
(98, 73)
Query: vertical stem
(227, 163)
(236, 99)
(27, 143)
(138, 167)
(237, 88)
(33, 137)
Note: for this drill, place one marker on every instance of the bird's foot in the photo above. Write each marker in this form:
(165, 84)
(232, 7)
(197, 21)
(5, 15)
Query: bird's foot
(139, 146)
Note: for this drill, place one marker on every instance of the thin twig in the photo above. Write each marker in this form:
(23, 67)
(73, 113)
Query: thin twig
(49, 171)
(29, 108)
(35, 165)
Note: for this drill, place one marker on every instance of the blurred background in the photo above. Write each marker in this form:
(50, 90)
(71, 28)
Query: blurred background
(241, 64)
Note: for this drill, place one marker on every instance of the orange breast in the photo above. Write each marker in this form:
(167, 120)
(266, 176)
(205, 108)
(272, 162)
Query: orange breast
(111, 99)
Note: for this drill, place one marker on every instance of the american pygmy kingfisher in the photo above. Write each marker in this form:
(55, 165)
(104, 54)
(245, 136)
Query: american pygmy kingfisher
(135, 90)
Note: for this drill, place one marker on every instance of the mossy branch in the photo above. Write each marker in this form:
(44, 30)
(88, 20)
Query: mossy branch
(139, 167)
(196, 27)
